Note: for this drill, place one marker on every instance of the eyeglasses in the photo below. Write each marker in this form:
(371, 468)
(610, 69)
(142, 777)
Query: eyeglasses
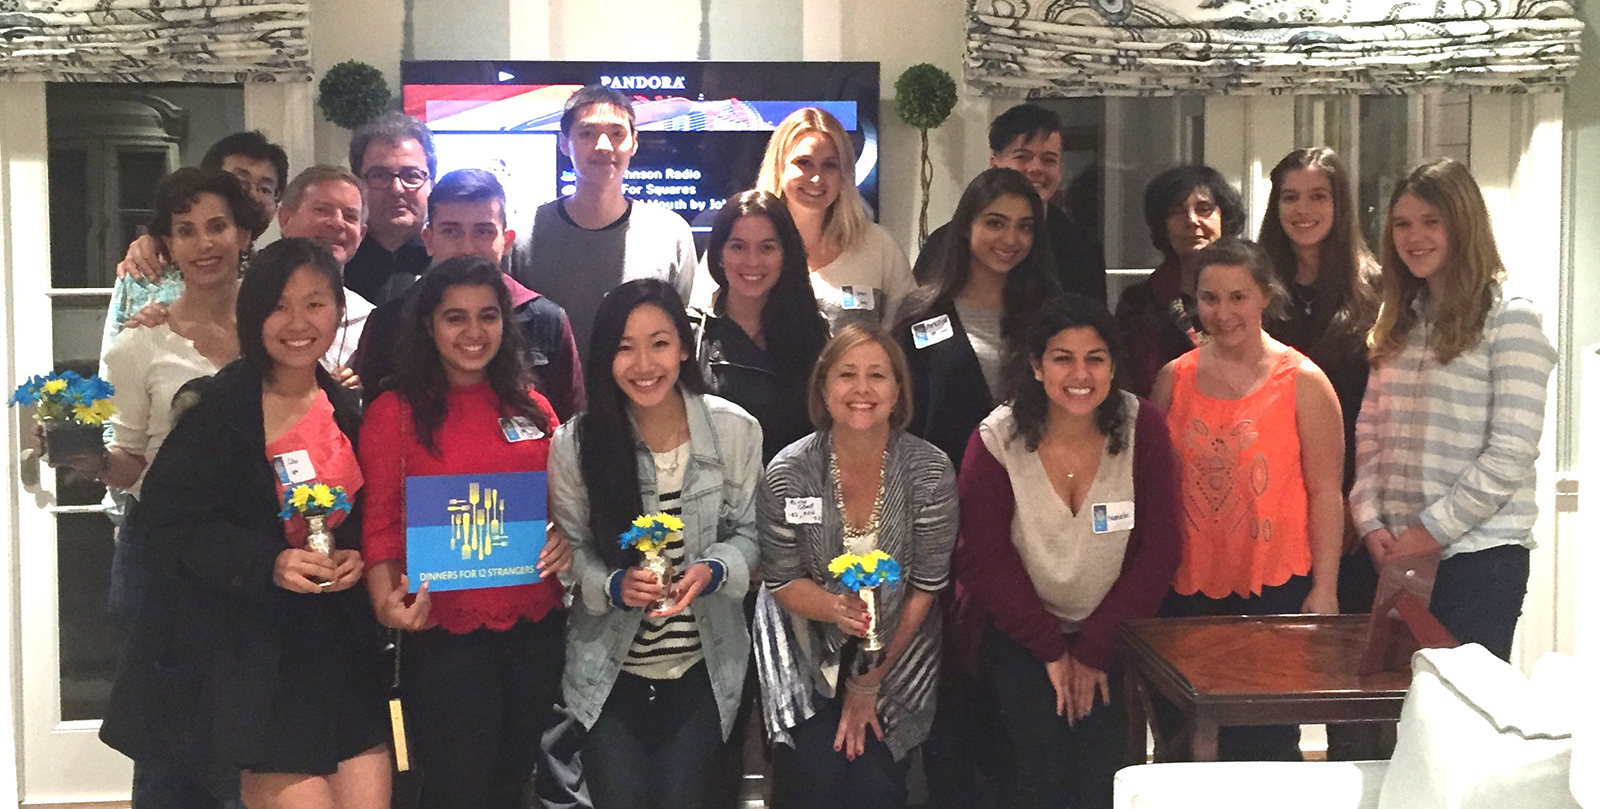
(266, 188)
(380, 178)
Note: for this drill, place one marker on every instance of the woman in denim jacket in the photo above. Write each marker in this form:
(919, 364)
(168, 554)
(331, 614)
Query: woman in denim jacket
(656, 690)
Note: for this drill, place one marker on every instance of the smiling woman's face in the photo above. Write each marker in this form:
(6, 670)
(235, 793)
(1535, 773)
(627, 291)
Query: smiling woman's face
(861, 391)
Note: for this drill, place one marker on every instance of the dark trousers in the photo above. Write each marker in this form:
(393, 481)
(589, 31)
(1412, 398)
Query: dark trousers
(727, 774)
(1054, 764)
(964, 752)
(654, 743)
(1252, 743)
(1358, 586)
(159, 787)
(813, 775)
(476, 705)
(1478, 596)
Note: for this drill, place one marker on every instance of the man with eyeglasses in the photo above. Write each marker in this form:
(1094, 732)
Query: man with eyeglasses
(394, 158)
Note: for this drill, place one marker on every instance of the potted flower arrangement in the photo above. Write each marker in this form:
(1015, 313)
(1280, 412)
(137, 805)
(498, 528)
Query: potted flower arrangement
(316, 503)
(649, 536)
(71, 408)
(862, 574)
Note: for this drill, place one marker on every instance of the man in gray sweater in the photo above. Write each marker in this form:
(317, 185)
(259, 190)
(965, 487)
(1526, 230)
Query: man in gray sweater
(582, 246)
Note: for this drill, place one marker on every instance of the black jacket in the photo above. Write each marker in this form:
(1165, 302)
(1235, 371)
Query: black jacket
(201, 668)
(949, 395)
(739, 371)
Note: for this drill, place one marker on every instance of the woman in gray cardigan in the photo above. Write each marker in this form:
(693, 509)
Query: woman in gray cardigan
(848, 718)
(655, 689)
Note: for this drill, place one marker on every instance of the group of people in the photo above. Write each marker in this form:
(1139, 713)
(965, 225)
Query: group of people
(1253, 430)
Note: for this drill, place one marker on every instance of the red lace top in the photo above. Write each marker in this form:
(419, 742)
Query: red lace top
(470, 441)
(1245, 510)
(332, 461)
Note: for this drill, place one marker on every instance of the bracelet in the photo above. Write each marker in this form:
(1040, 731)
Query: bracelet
(854, 686)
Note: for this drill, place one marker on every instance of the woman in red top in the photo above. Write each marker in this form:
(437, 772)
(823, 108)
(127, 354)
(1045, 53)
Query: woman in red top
(480, 668)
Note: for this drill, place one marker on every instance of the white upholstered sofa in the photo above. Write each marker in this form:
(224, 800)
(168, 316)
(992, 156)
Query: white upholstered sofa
(1474, 734)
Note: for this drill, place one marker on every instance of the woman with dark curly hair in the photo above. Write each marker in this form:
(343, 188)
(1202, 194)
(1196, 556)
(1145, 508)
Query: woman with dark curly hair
(1187, 208)
(1096, 545)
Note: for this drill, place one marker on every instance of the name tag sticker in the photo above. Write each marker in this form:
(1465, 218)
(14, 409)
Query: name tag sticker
(520, 428)
(802, 510)
(1110, 517)
(293, 467)
(857, 297)
(932, 331)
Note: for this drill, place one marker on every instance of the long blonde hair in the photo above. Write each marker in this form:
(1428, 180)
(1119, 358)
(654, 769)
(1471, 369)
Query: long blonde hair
(1471, 268)
(846, 221)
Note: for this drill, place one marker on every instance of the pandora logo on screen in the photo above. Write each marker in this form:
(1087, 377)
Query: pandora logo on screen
(643, 82)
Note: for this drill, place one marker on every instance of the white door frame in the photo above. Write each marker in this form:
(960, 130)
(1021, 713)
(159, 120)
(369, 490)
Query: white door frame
(57, 763)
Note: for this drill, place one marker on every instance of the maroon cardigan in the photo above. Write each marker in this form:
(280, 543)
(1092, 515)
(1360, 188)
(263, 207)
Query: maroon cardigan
(992, 586)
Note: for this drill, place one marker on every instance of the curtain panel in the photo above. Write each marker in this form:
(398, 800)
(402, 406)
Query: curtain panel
(1162, 47)
(195, 41)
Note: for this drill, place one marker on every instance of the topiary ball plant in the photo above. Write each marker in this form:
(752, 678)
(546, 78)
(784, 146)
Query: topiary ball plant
(352, 93)
(924, 95)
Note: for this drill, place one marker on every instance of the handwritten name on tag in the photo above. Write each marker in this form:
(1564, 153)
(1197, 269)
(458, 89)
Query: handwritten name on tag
(857, 297)
(802, 510)
(293, 467)
(520, 428)
(932, 331)
(1110, 517)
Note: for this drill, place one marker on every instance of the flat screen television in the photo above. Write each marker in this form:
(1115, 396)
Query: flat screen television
(703, 126)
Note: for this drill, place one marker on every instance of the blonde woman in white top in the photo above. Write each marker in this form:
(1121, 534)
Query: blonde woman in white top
(857, 271)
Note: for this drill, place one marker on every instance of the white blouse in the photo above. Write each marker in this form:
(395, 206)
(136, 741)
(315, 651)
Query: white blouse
(146, 366)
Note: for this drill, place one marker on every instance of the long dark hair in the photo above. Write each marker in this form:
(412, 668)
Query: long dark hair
(795, 330)
(1345, 295)
(606, 436)
(262, 288)
(1028, 285)
(1030, 406)
(421, 379)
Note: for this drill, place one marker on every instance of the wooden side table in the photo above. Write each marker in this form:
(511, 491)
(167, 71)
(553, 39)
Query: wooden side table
(1265, 670)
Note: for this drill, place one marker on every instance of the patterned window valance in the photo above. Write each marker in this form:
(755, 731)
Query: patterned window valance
(204, 41)
(1159, 47)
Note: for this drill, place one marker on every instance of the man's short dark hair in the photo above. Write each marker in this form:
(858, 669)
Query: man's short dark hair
(392, 127)
(468, 185)
(1026, 121)
(594, 94)
(254, 146)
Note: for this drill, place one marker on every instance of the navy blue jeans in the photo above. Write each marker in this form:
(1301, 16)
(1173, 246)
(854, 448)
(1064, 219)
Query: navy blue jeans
(1478, 596)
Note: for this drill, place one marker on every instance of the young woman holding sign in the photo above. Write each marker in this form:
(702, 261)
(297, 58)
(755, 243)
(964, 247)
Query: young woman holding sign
(479, 667)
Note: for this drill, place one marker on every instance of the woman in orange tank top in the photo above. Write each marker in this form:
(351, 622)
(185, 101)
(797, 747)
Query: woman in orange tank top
(1260, 442)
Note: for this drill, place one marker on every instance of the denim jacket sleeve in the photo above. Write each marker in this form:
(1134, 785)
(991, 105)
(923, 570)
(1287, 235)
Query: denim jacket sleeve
(740, 437)
(569, 505)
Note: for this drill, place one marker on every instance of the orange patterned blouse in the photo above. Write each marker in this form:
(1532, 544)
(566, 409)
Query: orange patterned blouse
(1245, 510)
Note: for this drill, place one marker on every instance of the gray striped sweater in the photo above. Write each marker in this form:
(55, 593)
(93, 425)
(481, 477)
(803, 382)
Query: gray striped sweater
(1452, 447)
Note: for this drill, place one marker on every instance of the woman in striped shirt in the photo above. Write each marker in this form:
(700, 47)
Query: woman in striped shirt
(656, 690)
(848, 718)
(1449, 429)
